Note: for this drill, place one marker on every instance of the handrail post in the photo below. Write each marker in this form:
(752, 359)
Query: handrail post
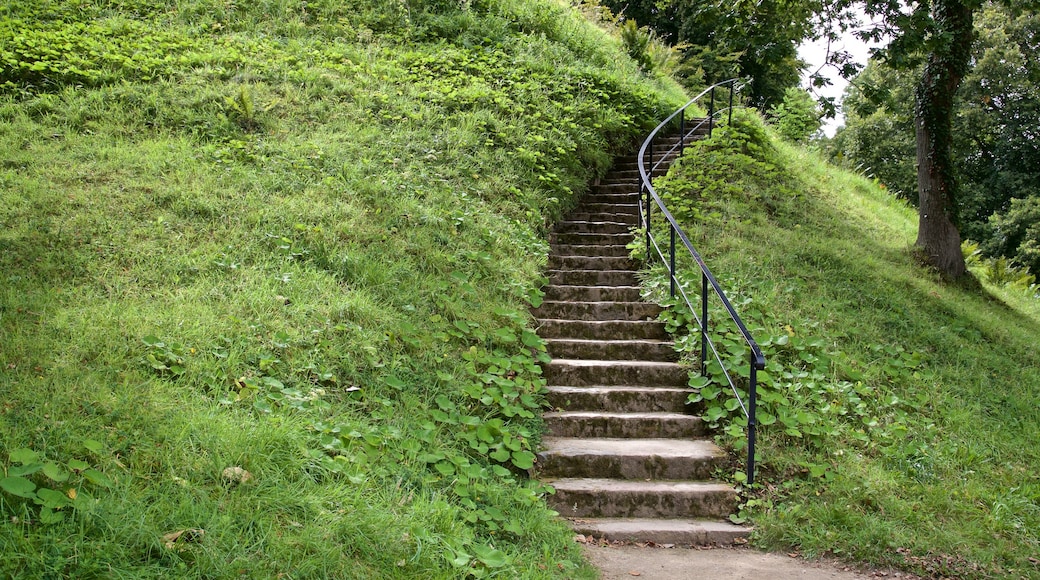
(711, 113)
(704, 324)
(671, 263)
(682, 131)
(732, 89)
(752, 423)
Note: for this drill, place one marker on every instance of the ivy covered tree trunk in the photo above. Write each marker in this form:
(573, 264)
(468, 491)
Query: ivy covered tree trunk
(938, 236)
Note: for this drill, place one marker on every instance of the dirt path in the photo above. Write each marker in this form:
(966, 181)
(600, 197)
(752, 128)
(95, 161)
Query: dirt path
(628, 562)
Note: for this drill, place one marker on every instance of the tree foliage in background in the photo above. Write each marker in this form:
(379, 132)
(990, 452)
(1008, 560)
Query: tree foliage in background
(798, 118)
(754, 40)
(995, 126)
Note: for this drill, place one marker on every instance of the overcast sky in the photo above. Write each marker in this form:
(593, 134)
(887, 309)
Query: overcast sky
(814, 53)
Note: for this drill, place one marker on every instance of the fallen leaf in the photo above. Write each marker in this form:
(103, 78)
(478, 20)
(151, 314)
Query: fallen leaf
(236, 475)
(635, 573)
(178, 540)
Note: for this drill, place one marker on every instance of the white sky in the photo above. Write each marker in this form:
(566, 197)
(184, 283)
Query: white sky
(814, 53)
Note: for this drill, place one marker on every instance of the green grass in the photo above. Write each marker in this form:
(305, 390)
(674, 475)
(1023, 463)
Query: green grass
(902, 412)
(301, 240)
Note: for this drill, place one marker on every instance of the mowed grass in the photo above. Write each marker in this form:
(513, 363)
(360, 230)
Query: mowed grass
(300, 240)
(912, 406)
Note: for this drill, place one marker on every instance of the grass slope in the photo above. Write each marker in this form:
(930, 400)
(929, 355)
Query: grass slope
(296, 239)
(899, 414)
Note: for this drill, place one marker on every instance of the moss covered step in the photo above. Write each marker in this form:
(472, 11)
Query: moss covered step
(620, 498)
(564, 457)
(597, 310)
(625, 217)
(691, 531)
(579, 372)
(587, 239)
(661, 350)
(620, 399)
(615, 425)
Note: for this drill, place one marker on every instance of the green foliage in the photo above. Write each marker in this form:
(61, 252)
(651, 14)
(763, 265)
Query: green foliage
(1016, 233)
(297, 241)
(43, 490)
(798, 118)
(897, 411)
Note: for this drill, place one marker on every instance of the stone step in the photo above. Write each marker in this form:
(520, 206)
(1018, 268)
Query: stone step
(659, 350)
(630, 186)
(612, 207)
(629, 219)
(621, 399)
(681, 532)
(593, 293)
(623, 425)
(581, 373)
(570, 310)
(628, 458)
(564, 262)
(620, 498)
(582, 239)
(604, 250)
(601, 329)
(593, 277)
(581, 226)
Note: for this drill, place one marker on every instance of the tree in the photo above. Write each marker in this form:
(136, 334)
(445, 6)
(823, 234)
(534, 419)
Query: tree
(797, 118)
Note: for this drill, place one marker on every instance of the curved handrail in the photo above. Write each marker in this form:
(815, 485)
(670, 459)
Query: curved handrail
(757, 359)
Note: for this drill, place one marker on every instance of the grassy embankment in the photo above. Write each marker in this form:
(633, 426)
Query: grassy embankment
(900, 414)
(300, 240)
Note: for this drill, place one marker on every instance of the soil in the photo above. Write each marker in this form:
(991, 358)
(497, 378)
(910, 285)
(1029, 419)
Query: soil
(625, 562)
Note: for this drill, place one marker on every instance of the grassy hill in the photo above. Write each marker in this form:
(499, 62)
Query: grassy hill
(264, 277)
(899, 414)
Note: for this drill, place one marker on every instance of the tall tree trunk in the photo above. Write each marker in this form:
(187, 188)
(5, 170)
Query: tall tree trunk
(938, 237)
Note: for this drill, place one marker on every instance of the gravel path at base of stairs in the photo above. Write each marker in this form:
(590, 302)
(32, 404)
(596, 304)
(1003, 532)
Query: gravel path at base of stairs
(625, 562)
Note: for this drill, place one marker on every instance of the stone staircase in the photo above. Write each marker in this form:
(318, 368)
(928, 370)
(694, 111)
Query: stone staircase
(629, 459)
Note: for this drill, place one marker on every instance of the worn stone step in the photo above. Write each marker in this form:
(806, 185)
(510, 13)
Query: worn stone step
(681, 532)
(593, 293)
(564, 262)
(620, 498)
(601, 329)
(593, 277)
(581, 226)
(623, 425)
(571, 310)
(580, 372)
(585, 239)
(604, 250)
(630, 186)
(595, 207)
(628, 458)
(628, 218)
(621, 399)
(659, 350)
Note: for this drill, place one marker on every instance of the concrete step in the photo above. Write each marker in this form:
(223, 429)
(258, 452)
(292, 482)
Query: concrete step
(597, 227)
(628, 458)
(572, 310)
(592, 293)
(593, 277)
(581, 239)
(659, 350)
(601, 329)
(603, 250)
(637, 373)
(620, 498)
(681, 532)
(623, 425)
(621, 399)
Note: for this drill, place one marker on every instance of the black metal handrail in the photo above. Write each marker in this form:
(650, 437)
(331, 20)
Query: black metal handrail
(757, 359)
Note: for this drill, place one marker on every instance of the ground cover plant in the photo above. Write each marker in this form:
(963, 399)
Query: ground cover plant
(264, 279)
(898, 414)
